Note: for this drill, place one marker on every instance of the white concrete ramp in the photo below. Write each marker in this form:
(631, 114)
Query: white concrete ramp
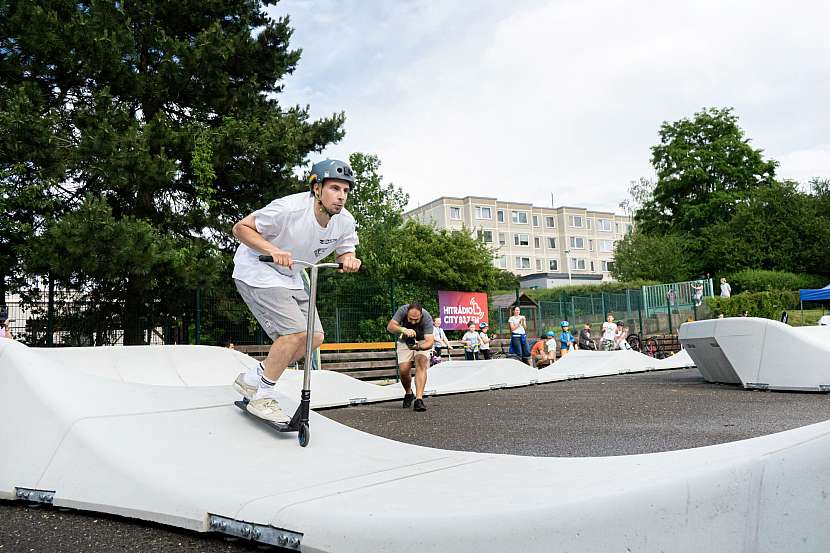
(760, 353)
(185, 456)
(452, 377)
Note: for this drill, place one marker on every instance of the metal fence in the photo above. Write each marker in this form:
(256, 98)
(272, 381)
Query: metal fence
(352, 309)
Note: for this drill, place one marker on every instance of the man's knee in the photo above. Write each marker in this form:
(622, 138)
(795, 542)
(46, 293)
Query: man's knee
(319, 337)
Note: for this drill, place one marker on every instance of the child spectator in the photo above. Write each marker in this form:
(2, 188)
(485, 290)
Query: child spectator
(484, 340)
(440, 337)
(609, 333)
(621, 337)
(567, 342)
(471, 342)
(585, 340)
(542, 353)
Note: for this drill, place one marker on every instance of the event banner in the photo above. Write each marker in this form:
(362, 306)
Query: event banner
(457, 309)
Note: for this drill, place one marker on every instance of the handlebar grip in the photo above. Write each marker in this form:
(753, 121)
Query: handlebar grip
(361, 269)
(266, 258)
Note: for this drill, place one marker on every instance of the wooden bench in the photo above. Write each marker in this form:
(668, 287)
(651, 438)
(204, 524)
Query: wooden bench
(361, 360)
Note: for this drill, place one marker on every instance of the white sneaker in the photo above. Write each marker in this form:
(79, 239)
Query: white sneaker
(268, 409)
(247, 390)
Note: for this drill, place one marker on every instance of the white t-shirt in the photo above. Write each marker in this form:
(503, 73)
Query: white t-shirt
(484, 340)
(824, 320)
(517, 320)
(609, 331)
(725, 290)
(289, 223)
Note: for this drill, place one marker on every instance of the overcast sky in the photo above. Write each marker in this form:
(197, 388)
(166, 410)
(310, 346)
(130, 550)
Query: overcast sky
(523, 99)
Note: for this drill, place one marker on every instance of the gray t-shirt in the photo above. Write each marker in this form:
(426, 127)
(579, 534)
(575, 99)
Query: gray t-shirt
(423, 327)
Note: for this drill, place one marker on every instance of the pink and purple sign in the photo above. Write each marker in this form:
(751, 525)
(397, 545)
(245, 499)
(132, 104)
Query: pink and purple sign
(457, 309)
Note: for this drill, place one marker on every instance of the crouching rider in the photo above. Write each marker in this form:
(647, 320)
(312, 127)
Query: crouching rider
(307, 226)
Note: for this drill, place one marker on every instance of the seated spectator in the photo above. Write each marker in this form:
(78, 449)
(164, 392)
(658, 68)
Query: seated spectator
(541, 353)
(567, 342)
(585, 340)
(621, 337)
(472, 341)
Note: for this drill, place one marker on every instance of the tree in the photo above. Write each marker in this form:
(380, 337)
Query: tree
(705, 169)
(640, 256)
(166, 112)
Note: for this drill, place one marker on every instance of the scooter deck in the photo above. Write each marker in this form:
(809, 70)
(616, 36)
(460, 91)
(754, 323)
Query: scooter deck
(279, 427)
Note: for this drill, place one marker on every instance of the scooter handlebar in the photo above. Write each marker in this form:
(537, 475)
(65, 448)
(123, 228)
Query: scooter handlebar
(270, 259)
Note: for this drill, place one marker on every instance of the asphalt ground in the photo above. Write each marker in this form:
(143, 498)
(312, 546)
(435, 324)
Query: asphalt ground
(620, 415)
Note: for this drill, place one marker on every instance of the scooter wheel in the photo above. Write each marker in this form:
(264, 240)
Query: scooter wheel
(304, 434)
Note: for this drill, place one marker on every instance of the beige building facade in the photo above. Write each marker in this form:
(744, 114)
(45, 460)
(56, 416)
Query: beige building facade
(538, 244)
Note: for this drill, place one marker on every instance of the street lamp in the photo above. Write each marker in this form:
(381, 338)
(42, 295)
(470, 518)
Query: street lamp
(568, 263)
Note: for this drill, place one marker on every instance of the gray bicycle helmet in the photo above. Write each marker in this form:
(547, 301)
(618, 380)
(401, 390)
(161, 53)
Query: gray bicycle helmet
(330, 169)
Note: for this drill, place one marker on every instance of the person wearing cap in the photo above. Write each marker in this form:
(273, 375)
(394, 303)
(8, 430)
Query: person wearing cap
(484, 341)
(307, 226)
(567, 341)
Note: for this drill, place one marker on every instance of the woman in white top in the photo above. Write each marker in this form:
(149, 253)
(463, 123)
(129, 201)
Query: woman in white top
(518, 335)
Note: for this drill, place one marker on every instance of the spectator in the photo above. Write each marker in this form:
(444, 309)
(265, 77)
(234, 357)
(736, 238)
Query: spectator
(621, 337)
(5, 330)
(697, 293)
(585, 340)
(785, 317)
(416, 339)
(541, 353)
(745, 314)
(725, 289)
(567, 342)
(484, 341)
(824, 320)
(518, 335)
(609, 333)
(440, 337)
(471, 342)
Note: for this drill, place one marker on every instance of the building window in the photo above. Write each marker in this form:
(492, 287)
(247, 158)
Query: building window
(553, 265)
(500, 215)
(604, 225)
(618, 227)
(483, 212)
(551, 243)
(550, 222)
(521, 239)
(538, 264)
(577, 242)
(590, 245)
(577, 221)
(537, 243)
(522, 262)
(455, 213)
(606, 246)
(500, 262)
(535, 220)
(577, 264)
(502, 239)
(590, 223)
(518, 217)
(607, 266)
(486, 236)
(592, 266)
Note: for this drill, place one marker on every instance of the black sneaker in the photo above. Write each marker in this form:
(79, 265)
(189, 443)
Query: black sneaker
(419, 405)
(407, 400)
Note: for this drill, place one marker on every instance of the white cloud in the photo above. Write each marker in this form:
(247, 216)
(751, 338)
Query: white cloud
(566, 98)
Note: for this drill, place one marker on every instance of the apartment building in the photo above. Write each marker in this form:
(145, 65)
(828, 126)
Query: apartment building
(539, 244)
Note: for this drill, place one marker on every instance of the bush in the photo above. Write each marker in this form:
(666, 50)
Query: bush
(768, 305)
(612, 287)
(757, 280)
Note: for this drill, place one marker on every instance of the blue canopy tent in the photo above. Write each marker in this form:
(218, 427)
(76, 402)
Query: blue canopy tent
(818, 294)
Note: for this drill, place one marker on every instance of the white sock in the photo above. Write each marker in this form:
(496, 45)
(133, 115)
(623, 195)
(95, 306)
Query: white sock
(252, 376)
(265, 389)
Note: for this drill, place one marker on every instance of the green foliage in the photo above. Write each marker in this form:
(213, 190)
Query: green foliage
(757, 280)
(611, 287)
(705, 168)
(640, 256)
(166, 112)
(768, 305)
